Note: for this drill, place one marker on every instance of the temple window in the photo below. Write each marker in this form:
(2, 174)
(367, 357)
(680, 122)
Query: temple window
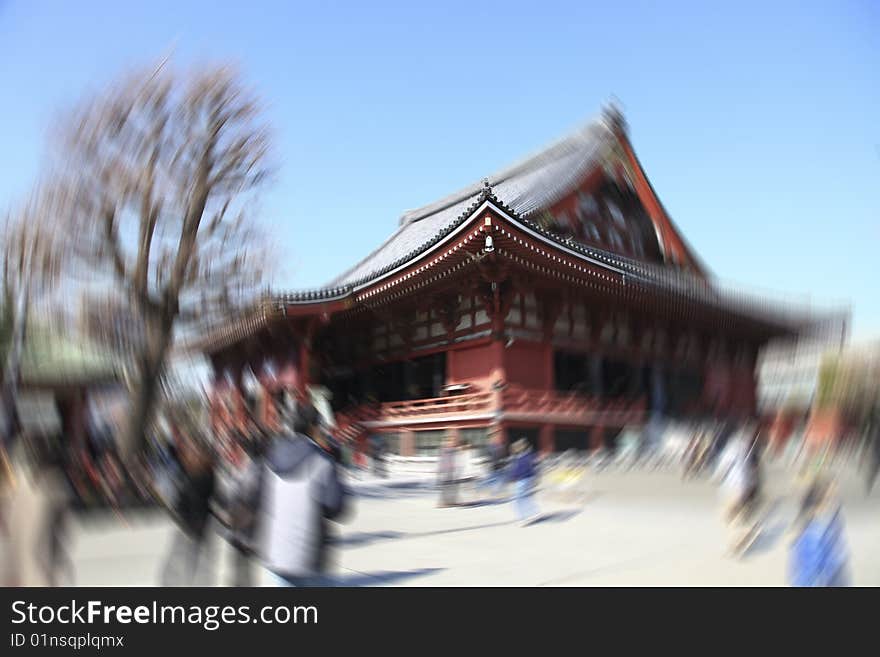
(476, 437)
(515, 315)
(429, 442)
(587, 206)
(616, 214)
(532, 318)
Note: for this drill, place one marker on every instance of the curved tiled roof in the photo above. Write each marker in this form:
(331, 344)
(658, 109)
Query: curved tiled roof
(527, 186)
(668, 279)
(533, 184)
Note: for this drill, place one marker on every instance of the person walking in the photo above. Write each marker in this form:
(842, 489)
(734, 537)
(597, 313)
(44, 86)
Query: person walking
(189, 561)
(300, 492)
(447, 473)
(242, 481)
(524, 475)
(739, 472)
(495, 458)
(378, 456)
(37, 506)
(819, 556)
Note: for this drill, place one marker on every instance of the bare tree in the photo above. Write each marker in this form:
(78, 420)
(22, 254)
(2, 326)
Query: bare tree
(157, 176)
(31, 262)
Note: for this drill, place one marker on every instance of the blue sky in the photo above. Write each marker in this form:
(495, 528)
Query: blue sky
(757, 123)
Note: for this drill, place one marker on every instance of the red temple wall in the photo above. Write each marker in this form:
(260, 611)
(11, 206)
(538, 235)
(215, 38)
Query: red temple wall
(473, 365)
(729, 388)
(742, 390)
(529, 364)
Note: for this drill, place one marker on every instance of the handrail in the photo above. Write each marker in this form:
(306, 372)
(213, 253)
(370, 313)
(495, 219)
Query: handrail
(512, 399)
(441, 405)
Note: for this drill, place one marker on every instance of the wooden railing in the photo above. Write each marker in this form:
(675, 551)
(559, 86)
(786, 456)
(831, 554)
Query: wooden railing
(511, 403)
(568, 407)
(473, 402)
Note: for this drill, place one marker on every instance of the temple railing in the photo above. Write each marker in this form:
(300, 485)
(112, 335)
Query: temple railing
(568, 407)
(512, 403)
(474, 402)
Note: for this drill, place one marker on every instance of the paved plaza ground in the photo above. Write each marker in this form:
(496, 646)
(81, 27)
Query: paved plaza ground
(624, 528)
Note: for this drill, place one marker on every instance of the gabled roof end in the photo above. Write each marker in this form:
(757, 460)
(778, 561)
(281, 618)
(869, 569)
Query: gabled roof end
(612, 116)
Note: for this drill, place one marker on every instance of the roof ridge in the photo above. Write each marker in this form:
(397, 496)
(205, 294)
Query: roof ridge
(587, 131)
(559, 148)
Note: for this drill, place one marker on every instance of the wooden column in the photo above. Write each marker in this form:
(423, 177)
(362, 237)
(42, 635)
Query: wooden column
(238, 407)
(597, 437)
(499, 433)
(499, 373)
(546, 439)
(305, 335)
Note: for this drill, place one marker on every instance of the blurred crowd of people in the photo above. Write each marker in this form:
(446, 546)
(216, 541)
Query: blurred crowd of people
(459, 465)
(272, 494)
(269, 493)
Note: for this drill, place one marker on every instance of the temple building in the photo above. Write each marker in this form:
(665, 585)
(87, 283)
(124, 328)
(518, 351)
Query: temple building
(554, 300)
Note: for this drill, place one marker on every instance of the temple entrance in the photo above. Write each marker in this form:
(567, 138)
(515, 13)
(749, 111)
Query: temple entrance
(684, 390)
(401, 380)
(428, 376)
(573, 372)
(577, 439)
(591, 374)
(622, 379)
(416, 378)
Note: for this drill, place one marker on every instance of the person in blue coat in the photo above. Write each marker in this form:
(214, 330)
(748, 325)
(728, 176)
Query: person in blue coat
(524, 474)
(819, 555)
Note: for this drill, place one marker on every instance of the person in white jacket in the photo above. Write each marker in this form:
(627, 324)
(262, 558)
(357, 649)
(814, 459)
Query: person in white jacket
(299, 491)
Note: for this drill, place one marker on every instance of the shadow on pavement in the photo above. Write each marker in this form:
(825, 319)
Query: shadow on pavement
(366, 538)
(772, 528)
(556, 516)
(767, 539)
(487, 502)
(383, 490)
(382, 577)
